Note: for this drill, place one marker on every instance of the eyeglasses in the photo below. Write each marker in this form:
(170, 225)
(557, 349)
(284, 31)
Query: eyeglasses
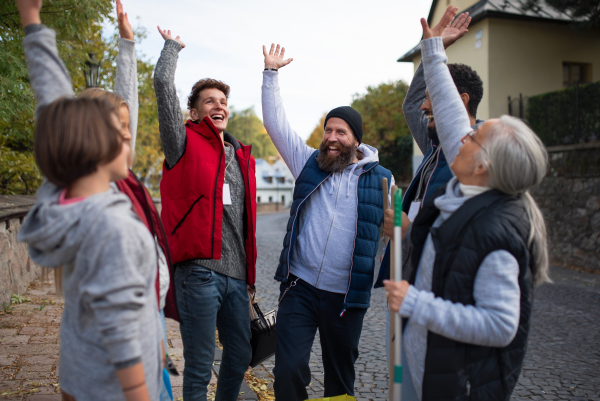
(471, 137)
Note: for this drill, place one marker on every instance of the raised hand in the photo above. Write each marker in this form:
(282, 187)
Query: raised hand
(443, 24)
(29, 11)
(167, 35)
(274, 59)
(456, 30)
(125, 30)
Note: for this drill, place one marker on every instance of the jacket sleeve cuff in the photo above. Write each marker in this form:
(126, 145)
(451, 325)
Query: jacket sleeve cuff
(171, 45)
(124, 351)
(432, 47)
(271, 79)
(127, 45)
(33, 28)
(409, 302)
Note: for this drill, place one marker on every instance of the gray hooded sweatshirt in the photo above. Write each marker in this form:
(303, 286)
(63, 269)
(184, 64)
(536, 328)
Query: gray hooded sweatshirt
(110, 319)
(322, 253)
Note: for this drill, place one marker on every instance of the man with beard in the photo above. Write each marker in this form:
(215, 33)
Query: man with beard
(327, 264)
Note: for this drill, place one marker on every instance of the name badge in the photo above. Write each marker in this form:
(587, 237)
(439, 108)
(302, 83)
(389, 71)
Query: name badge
(414, 210)
(226, 195)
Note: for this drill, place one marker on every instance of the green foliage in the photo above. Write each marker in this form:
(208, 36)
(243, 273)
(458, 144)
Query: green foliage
(18, 172)
(588, 11)
(18, 300)
(316, 137)
(247, 128)
(385, 128)
(553, 115)
(78, 32)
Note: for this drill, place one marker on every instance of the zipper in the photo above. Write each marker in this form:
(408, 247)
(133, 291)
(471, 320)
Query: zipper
(329, 233)
(355, 234)
(294, 224)
(186, 214)
(212, 249)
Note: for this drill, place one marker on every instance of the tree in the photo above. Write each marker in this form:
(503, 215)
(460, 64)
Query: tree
(385, 128)
(249, 129)
(316, 137)
(76, 37)
(587, 12)
(78, 33)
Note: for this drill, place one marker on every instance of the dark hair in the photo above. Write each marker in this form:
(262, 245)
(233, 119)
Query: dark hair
(468, 81)
(206, 83)
(73, 136)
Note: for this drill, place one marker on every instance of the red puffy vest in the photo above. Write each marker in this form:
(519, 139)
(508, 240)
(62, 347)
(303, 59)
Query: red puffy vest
(192, 198)
(144, 207)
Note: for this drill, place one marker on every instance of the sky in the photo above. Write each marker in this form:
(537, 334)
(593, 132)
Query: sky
(339, 47)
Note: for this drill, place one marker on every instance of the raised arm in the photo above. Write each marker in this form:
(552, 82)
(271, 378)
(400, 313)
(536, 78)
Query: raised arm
(451, 118)
(48, 76)
(293, 149)
(415, 117)
(126, 83)
(170, 118)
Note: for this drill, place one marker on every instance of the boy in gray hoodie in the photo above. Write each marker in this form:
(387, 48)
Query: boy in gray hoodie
(110, 332)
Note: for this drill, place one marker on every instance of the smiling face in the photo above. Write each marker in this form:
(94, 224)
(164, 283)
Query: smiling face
(338, 135)
(212, 104)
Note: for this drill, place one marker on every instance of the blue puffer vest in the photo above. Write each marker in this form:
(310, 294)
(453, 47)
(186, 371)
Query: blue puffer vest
(369, 219)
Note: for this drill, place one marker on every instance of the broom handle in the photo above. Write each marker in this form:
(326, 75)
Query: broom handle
(397, 246)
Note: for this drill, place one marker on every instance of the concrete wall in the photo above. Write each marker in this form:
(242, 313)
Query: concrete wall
(17, 270)
(569, 198)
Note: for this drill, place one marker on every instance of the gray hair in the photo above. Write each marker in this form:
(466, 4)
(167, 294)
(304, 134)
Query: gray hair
(517, 161)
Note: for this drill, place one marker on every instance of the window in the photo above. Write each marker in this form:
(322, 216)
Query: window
(258, 199)
(270, 199)
(283, 199)
(281, 180)
(576, 72)
(268, 179)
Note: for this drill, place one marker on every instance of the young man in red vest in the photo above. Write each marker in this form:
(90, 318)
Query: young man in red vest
(208, 194)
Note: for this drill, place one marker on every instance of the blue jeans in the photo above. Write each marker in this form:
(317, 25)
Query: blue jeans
(205, 300)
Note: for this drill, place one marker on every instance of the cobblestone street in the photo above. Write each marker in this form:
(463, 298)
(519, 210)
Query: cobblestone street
(562, 362)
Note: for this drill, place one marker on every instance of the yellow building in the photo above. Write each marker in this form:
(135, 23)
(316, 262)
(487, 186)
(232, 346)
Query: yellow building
(517, 52)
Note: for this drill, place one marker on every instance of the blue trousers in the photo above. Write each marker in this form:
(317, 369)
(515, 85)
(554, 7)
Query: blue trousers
(304, 310)
(205, 300)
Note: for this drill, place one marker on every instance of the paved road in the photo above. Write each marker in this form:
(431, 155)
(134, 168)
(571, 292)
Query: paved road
(562, 363)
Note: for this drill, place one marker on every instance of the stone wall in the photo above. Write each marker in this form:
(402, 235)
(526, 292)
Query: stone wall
(569, 198)
(17, 270)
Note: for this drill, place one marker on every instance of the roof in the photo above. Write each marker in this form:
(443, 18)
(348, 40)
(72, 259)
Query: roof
(506, 9)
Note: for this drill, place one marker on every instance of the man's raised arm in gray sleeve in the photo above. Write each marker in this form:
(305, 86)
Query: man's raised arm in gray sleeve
(170, 119)
(414, 116)
(48, 75)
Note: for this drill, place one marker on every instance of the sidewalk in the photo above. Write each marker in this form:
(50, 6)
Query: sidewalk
(29, 349)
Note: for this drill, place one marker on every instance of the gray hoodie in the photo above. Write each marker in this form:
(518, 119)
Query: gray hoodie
(109, 264)
(322, 253)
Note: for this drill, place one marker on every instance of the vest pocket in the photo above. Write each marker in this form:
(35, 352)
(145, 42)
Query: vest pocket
(186, 214)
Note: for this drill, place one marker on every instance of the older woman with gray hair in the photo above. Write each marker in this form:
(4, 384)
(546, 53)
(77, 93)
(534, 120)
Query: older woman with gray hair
(477, 248)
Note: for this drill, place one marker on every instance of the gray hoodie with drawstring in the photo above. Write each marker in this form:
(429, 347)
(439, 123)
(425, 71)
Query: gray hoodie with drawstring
(110, 319)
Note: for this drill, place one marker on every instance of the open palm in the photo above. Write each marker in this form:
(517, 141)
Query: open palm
(456, 30)
(274, 58)
(166, 34)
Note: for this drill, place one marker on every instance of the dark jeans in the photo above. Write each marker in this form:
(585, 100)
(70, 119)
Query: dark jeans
(304, 310)
(207, 299)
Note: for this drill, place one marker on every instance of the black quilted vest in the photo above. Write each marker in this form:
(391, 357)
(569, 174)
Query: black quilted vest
(485, 223)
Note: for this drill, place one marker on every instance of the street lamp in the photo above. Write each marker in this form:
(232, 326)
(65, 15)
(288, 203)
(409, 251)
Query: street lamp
(92, 73)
